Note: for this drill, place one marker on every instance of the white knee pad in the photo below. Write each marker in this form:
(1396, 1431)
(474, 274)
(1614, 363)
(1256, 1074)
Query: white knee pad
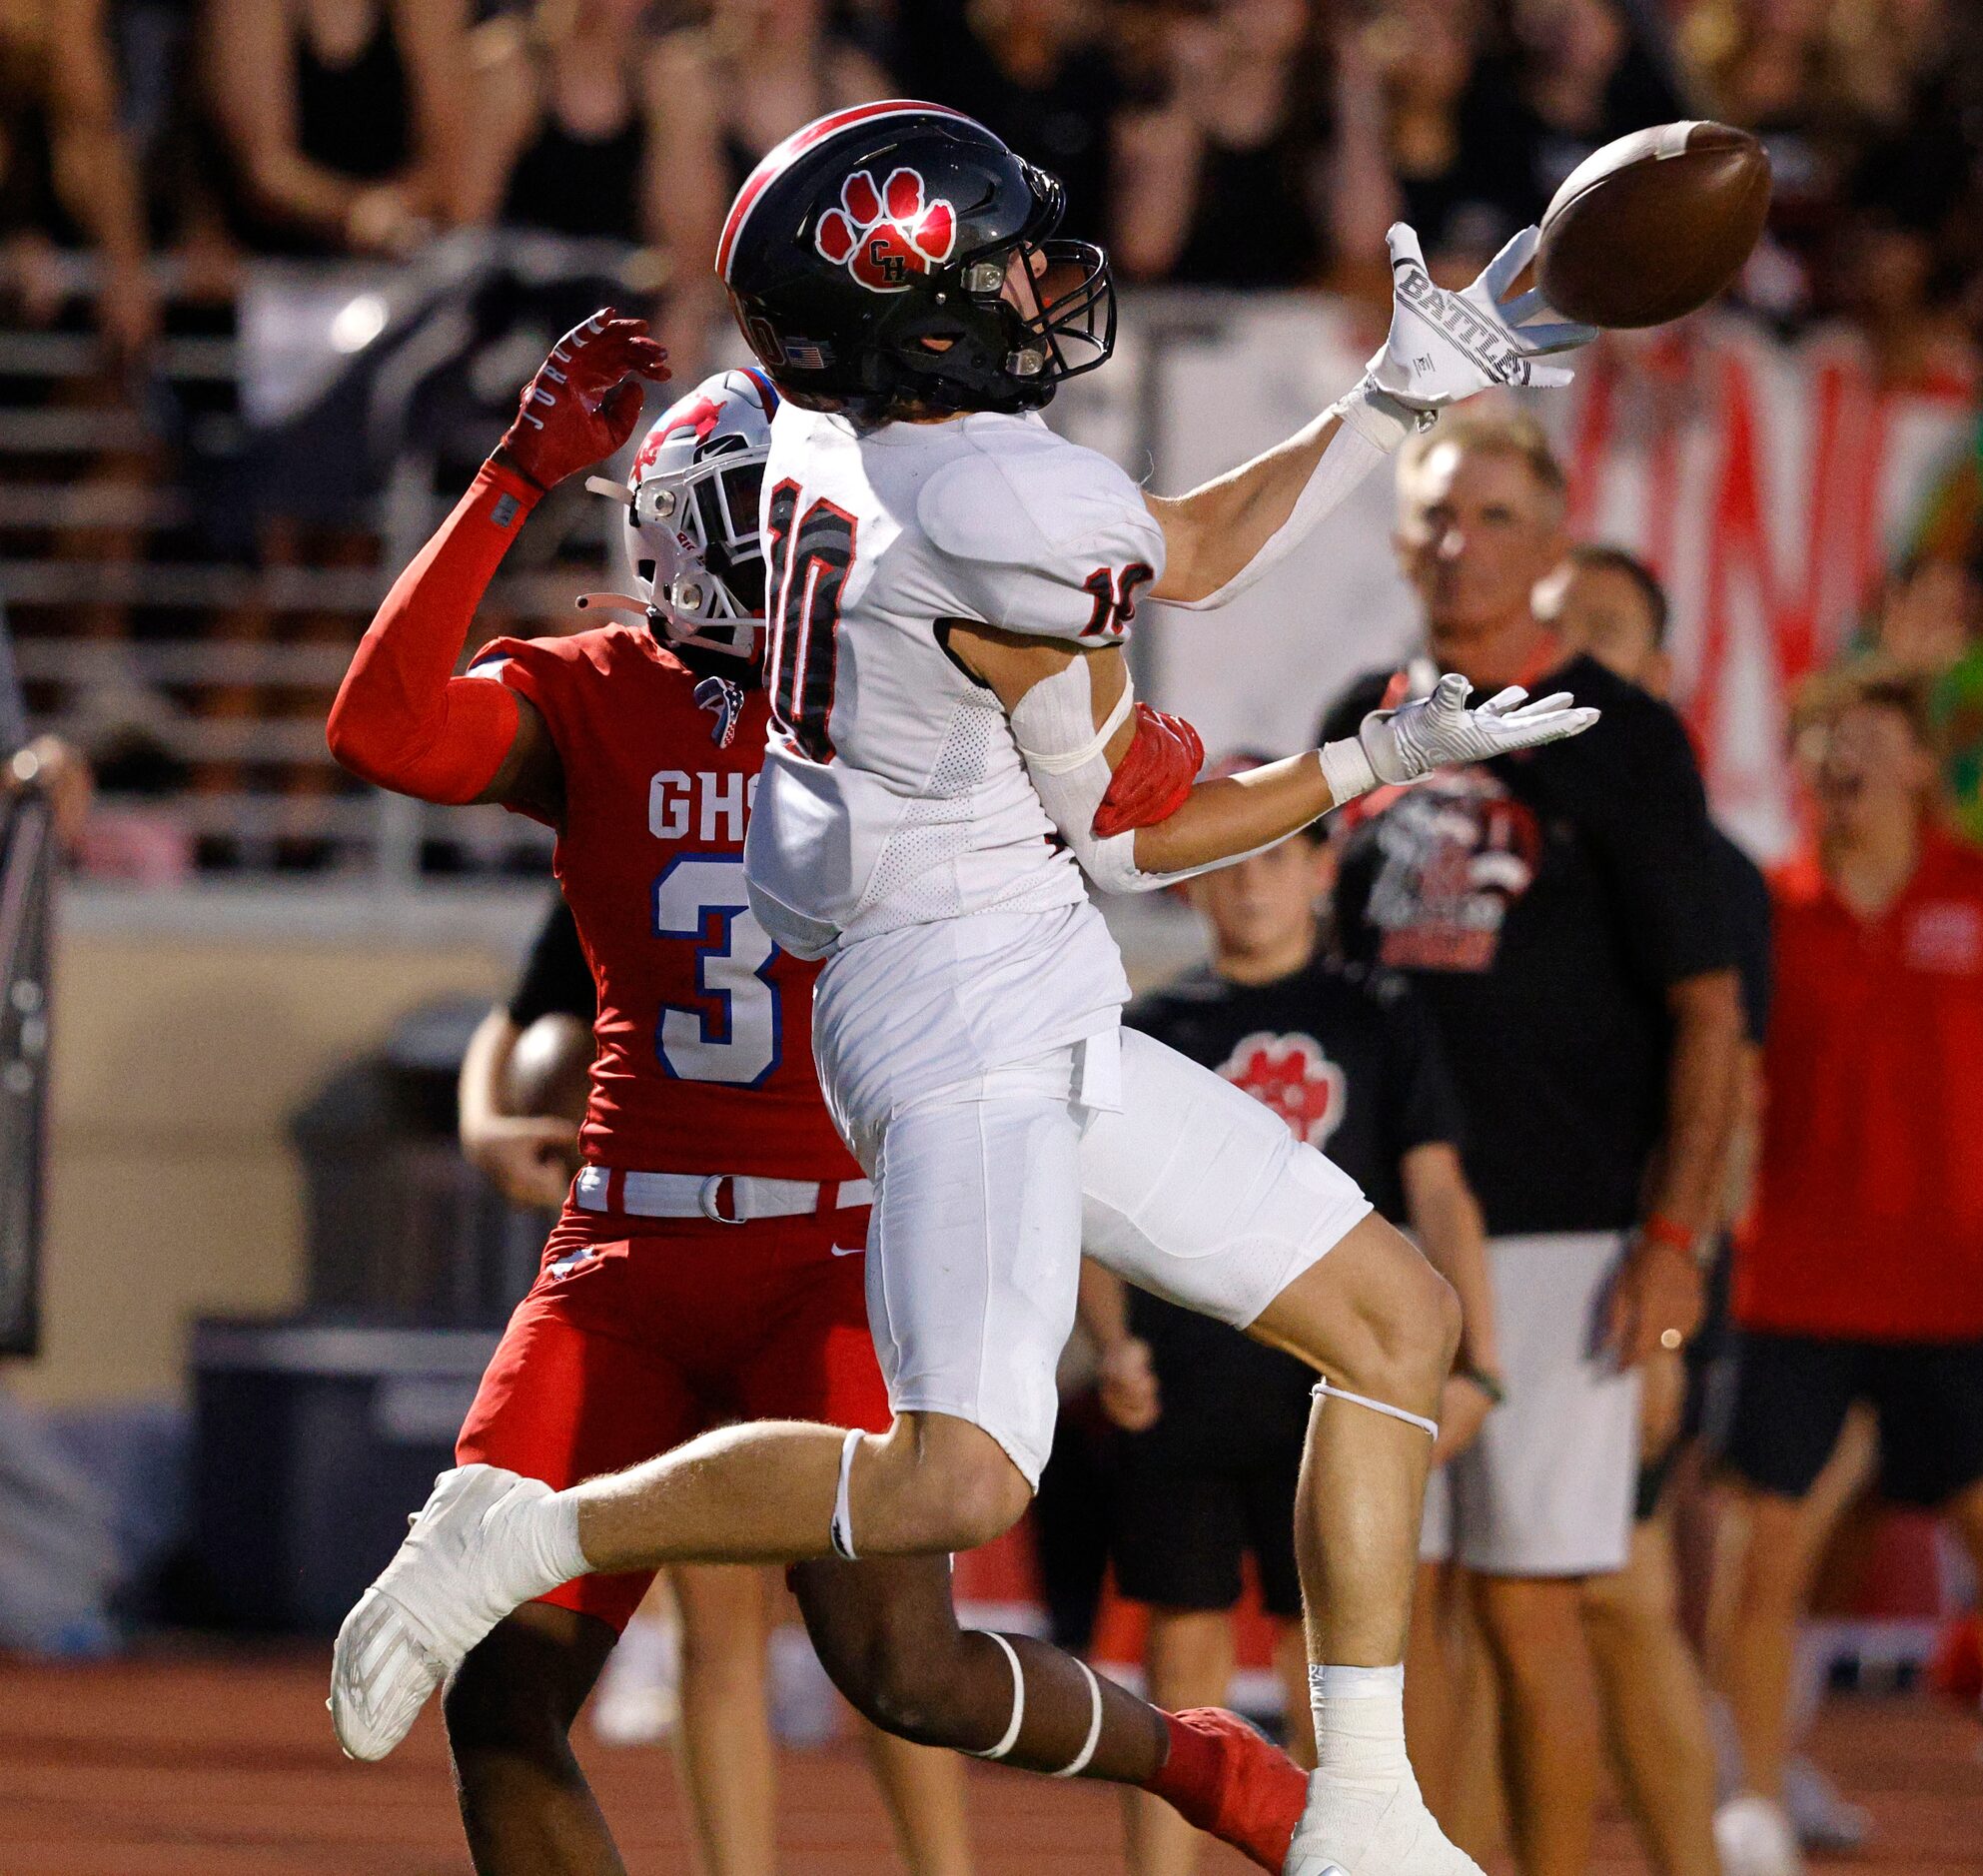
(1322, 1390)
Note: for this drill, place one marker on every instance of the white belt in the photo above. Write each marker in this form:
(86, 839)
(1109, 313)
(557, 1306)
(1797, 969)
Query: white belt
(727, 1199)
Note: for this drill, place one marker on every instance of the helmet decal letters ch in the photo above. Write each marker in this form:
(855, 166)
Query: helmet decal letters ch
(885, 237)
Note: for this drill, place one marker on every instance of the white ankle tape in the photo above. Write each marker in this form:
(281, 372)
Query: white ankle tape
(1079, 1763)
(1419, 1421)
(841, 1530)
(1011, 1738)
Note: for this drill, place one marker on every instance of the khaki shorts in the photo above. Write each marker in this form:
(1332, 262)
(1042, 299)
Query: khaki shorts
(1548, 1489)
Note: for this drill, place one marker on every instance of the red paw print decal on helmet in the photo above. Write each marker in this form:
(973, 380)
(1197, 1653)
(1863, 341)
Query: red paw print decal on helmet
(886, 237)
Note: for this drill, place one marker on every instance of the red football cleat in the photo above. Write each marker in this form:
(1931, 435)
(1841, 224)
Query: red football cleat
(1956, 1672)
(1226, 1778)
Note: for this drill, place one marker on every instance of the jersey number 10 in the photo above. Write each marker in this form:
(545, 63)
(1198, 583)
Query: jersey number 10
(808, 568)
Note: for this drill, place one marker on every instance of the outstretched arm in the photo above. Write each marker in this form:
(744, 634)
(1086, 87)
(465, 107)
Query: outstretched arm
(1118, 782)
(402, 718)
(1442, 347)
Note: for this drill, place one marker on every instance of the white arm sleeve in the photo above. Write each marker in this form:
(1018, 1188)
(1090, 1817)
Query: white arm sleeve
(1370, 426)
(1064, 753)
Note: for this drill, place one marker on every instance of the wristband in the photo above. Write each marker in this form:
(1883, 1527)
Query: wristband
(1659, 1229)
(1345, 767)
(1376, 416)
(503, 460)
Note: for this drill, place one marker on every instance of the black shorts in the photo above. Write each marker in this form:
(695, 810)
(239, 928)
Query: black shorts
(1187, 1514)
(1792, 1398)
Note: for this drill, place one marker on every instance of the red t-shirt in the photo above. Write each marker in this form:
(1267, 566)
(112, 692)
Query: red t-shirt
(1869, 1213)
(704, 1030)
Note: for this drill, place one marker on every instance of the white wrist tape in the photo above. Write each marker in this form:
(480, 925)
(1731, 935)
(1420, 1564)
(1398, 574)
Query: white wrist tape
(1369, 425)
(1346, 769)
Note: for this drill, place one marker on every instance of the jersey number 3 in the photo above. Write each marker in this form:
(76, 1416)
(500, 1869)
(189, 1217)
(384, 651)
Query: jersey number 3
(730, 1034)
(808, 560)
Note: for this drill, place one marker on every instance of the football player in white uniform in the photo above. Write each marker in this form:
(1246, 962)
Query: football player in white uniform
(955, 741)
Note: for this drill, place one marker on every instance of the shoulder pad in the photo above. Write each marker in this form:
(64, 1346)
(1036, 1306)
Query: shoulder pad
(1028, 497)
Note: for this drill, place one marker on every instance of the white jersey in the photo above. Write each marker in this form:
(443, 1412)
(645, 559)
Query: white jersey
(893, 793)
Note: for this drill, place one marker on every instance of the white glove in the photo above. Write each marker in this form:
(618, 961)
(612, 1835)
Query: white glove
(1398, 747)
(1447, 346)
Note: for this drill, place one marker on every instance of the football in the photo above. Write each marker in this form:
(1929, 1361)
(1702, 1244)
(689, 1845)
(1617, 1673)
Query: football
(547, 1071)
(1653, 225)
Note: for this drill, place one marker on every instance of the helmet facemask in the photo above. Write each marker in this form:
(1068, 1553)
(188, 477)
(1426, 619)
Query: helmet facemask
(698, 558)
(1069, 329)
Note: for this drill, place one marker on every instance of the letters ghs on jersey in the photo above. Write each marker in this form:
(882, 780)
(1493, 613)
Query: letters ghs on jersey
(704, 1024)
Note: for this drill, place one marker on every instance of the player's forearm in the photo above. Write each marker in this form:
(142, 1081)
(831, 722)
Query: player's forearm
(1102, 1305)
(402, 718)
(1236, 814)
(1220, 537)
(1702, 1090)
(1211, 533)
(478, 1087)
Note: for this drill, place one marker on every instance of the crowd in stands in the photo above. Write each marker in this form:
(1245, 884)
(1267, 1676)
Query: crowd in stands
(1236, 144)
(1220, 142)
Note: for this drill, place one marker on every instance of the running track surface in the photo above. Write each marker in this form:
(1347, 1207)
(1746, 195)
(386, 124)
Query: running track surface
(221, 1764)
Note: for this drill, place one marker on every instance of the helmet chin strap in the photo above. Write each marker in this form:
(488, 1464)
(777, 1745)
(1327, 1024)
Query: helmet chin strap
(707, 661)
(703, 656)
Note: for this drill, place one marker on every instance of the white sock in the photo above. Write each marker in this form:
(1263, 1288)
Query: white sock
(1360, 1721)
(536, 1540)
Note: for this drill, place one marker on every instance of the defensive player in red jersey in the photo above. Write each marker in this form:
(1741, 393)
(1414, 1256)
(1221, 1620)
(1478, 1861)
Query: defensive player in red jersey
(693, 1276)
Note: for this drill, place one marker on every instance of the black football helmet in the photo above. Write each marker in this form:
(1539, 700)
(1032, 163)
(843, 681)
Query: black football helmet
(866, 259)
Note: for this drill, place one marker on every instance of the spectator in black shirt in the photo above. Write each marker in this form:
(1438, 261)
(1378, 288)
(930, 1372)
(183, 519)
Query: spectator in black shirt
(1562, 913)
(1607, 603)
(1213, 1421)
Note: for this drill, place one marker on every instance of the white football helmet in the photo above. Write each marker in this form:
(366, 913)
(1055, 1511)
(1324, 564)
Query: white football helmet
(691, 515)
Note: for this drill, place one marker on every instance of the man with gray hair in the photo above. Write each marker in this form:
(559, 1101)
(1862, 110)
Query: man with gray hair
(1560, 914)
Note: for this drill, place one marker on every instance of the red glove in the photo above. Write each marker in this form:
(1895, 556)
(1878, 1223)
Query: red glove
(1154, 776)
(584, 401)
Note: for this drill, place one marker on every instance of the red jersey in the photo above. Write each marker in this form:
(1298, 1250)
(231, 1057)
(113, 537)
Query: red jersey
(704, 1030)
(1869, 1213)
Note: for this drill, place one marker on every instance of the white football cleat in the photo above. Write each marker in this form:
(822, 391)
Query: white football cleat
(1753, 1837)
(1359, 1826)
(638, 1698)
(451, 1582)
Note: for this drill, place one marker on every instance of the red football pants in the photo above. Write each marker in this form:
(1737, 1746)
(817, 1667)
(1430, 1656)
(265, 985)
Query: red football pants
(642, 1332)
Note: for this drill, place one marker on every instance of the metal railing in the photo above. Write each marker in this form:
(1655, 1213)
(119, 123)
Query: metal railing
(133, 633)
(132, 628)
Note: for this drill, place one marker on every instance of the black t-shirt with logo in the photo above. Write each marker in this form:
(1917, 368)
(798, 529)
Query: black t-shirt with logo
(1544, 905)
(1348, 1058)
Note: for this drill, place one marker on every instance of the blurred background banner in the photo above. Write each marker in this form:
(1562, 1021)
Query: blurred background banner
(1768, 482)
